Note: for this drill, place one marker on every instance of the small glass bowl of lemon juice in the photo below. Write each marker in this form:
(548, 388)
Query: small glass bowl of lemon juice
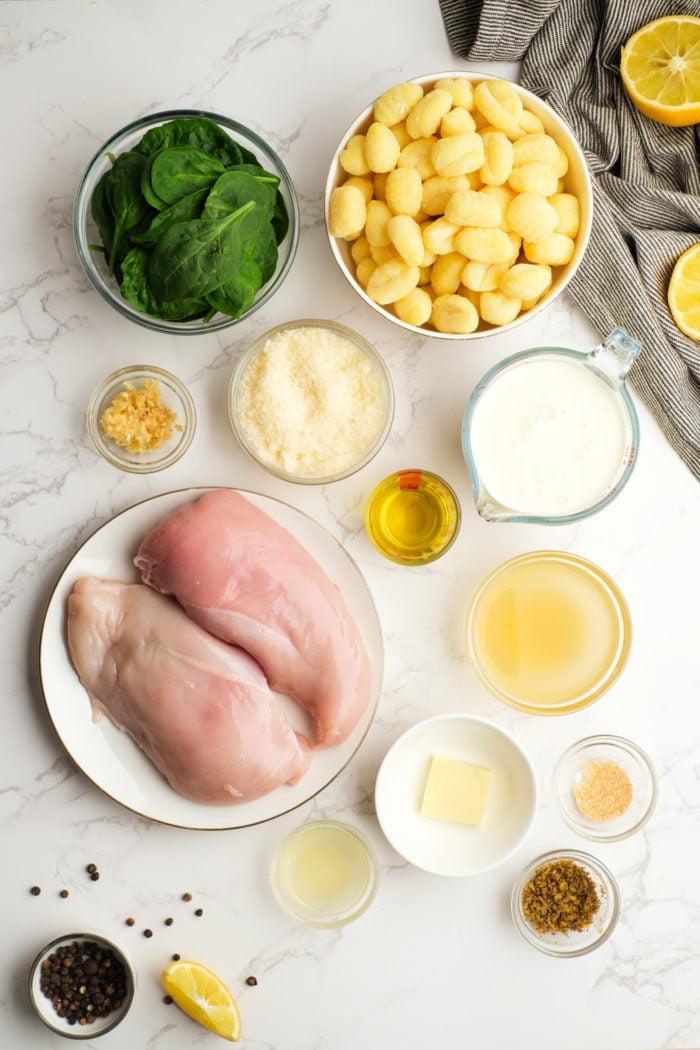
(412, 517)
(325, 873)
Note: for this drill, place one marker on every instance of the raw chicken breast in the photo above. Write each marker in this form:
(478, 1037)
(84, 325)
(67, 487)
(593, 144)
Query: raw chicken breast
(200, 709)
(249, 581)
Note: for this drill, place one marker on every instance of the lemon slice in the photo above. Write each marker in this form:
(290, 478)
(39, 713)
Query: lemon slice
(684, 292)
(203, 997)
(660, 68)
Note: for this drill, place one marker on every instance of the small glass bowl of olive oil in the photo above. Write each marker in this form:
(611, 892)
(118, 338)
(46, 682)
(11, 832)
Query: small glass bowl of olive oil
(413, 517)
(325, 873)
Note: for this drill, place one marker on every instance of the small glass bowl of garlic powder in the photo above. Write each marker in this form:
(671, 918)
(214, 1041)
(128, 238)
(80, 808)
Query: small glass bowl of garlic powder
(311, 401)
(141, 419)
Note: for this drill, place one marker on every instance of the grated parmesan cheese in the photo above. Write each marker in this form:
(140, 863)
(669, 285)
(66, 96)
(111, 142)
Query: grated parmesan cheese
(137, 419)
(311, 403)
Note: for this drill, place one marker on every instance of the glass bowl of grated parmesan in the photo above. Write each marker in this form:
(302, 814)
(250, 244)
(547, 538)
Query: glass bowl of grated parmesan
(141, 419)
(311, 401)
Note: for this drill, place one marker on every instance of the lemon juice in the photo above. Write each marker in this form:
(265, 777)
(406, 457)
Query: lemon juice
(325, 873)
(548, 632)
(412, 517)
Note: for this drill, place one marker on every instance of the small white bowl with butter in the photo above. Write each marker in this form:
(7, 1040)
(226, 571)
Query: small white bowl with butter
(456, 795)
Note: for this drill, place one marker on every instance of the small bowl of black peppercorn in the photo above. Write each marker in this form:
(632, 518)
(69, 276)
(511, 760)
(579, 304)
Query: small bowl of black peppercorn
(81, 985)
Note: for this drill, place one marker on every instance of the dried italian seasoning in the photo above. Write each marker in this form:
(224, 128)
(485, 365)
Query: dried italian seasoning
(559, 897)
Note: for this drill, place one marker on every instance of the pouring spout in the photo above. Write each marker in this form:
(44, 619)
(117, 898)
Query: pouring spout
(614, 356)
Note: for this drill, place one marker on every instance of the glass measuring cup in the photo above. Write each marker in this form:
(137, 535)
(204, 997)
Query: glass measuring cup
(550, 435)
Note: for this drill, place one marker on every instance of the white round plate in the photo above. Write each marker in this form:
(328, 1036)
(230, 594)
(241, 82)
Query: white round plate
(109, 757)
(445, 847)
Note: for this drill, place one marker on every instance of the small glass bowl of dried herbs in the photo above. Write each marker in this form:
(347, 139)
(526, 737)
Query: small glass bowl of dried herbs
(81, 985)
(186, 221)
(604, 788)
(565, 903)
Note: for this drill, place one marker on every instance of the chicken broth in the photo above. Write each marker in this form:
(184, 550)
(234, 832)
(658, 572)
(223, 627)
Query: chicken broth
(548, 632)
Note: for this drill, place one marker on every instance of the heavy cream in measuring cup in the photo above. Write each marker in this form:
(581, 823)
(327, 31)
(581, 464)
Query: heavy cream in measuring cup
(548, 437)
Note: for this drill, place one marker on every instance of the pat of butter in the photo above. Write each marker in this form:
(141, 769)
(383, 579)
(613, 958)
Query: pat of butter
(455, 791)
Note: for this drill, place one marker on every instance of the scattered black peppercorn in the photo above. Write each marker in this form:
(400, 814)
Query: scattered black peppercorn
(84, 981)
(176, 957)
(91, 869)
(252, 981)
(187, 896)
(131, 921)
(35, 891)
(169, 921)
(148, 933)
(199, 911)
(63, 893)
(94, 875)
(167, 999)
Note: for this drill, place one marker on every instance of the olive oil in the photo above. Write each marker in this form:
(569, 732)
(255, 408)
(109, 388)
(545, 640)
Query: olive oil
(412, 517)
(549, 632)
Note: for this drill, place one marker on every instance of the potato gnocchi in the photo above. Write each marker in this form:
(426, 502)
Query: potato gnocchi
(456, 205)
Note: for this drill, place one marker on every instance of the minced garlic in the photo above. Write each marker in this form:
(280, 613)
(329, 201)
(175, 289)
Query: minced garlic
(137, 419)
(311, 403)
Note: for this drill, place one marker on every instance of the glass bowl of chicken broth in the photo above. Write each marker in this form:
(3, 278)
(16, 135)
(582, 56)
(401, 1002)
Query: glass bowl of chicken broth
(179, 179)
(311, 401)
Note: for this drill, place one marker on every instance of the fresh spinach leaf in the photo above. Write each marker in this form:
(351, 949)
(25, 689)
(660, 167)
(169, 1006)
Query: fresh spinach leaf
(255, 269)
(123, 194)
(280, 219)
(146, 187)
(180, 170)
(102, 213)
(193, 258)
(190, 207)
(235, 188)
(136, 290)
(201, 132)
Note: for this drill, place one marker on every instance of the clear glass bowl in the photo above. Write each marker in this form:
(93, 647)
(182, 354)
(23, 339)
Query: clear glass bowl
(174, 396)
(308, 382)
(85, 231)
(573, 943)
(548, 632)
(577, 181)
(413, 517)
(571, 770)
(325, 874)
(44, 1007)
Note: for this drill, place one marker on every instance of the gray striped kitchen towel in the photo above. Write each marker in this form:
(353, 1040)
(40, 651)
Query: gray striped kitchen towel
(646, 177)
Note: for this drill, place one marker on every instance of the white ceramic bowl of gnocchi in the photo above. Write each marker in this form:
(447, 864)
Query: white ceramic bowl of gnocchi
(458, 205)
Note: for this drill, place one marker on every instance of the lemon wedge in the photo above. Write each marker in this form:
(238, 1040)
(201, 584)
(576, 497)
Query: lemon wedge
(660, 68)
(684, 292)
(203, 997)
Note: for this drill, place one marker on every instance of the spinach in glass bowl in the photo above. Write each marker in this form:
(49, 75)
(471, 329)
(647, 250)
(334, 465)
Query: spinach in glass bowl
(186, 221)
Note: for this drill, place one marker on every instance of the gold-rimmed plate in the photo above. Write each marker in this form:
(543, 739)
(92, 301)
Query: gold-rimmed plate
(108, 757)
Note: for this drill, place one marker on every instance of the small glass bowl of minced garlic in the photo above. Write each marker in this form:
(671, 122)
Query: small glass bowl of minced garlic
(604, 788)
(141, 419)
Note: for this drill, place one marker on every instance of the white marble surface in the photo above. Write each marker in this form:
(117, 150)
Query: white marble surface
(434, 962)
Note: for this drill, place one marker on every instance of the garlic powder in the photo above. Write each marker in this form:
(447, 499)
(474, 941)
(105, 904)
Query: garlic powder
(311, 403)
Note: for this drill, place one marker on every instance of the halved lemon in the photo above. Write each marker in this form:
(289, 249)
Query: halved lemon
(660, 68)
(684, 292)
(203, 997)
